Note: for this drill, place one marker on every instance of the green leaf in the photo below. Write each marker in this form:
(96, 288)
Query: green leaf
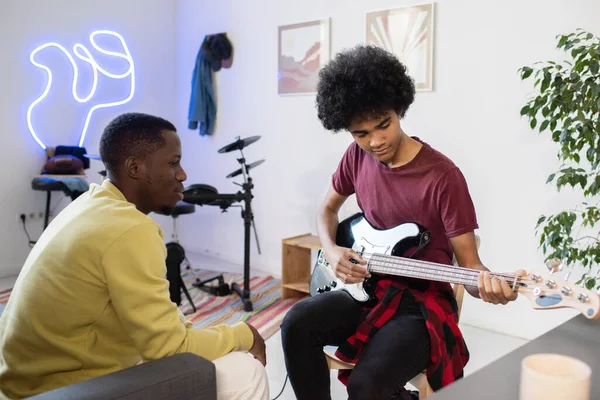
(556, 135)
(526, 72)
(594, 68)
(545, 84)
(590, 283)
(533, 123)
(550, 179)
(576, 157)
(545, 111)
(525, 110)
(544, 125)
(562, 41)
(590, 154)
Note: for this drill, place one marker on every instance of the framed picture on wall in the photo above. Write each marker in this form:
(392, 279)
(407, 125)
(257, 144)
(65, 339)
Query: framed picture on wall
(303, 49)
(408, 33)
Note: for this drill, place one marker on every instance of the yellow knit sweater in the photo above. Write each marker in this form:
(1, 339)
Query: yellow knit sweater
(92, 298)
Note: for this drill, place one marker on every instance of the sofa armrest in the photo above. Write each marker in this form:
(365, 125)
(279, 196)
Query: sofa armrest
(182, 376)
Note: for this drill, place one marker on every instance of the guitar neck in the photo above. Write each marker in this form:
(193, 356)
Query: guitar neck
(410, 268)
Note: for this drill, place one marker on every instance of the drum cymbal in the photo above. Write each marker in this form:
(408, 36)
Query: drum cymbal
(239, 144)
(248, 168)
(93, 156)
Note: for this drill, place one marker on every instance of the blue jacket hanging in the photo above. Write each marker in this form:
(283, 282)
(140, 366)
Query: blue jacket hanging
(202, 110)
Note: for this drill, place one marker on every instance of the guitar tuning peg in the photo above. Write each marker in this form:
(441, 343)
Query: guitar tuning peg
(554, 265)
(583, 278)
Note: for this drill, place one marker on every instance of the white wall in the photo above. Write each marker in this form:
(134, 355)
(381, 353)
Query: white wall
(472, 116)
(148, 26)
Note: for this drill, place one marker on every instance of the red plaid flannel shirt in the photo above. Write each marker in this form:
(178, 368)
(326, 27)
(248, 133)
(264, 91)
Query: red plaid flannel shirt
(449, 353)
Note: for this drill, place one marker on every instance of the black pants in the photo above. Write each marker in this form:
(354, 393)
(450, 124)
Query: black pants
(394, 355)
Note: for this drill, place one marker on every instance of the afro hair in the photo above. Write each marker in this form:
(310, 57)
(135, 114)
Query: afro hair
(360, 83)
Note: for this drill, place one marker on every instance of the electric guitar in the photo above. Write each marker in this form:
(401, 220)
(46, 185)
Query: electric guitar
(384, 251)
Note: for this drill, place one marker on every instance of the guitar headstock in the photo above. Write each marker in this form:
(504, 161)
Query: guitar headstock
(545, 290)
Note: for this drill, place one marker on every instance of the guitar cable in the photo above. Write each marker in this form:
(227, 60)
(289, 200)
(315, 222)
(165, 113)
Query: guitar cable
(284, 383)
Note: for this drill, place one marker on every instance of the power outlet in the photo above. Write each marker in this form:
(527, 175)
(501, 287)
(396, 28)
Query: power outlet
(34, 215)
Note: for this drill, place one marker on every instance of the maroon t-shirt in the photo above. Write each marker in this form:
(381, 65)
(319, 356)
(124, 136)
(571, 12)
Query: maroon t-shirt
(430, 190)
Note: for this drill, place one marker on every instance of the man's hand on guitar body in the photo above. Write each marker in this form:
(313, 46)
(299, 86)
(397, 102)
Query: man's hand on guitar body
(495, 290)
(348, 265)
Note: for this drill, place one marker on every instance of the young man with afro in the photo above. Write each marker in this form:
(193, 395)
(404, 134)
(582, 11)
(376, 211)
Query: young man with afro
(397, 178)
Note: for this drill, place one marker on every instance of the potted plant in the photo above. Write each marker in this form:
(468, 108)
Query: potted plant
(566, 106)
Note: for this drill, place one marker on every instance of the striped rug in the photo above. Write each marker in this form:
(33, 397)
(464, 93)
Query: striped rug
(269, 307)
(4, 295)
(265, 291)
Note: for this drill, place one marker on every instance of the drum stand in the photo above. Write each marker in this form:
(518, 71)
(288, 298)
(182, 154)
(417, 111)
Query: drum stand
(248, 217)
(224, 201)
(222, 289)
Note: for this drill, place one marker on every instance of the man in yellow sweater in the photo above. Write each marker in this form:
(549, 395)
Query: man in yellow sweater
(92, 297)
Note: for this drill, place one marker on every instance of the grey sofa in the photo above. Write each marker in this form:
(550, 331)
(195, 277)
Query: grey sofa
(179, 377)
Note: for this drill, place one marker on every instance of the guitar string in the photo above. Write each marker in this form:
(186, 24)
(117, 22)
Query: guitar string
(426, 264)
(419, 271)
(449, 270)
(522, 287)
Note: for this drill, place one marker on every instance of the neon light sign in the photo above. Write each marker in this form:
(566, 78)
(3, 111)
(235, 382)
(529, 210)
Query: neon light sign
(84, 54)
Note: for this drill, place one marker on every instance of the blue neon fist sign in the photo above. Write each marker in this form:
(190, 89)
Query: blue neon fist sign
(84, 54)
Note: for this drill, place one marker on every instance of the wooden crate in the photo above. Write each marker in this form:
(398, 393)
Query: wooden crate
(296, 264)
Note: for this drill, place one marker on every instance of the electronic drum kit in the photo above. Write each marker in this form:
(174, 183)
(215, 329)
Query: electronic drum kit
(202, 194)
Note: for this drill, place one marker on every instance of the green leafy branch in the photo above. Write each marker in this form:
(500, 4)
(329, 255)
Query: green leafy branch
(566, 105)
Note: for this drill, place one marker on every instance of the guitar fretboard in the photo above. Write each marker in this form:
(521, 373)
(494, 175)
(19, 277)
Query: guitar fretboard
(399, 266)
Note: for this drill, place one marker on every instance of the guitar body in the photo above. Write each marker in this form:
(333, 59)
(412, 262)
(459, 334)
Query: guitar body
(358, 234)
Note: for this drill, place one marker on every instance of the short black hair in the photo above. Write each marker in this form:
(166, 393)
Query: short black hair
(132, 134)
(362, 82)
